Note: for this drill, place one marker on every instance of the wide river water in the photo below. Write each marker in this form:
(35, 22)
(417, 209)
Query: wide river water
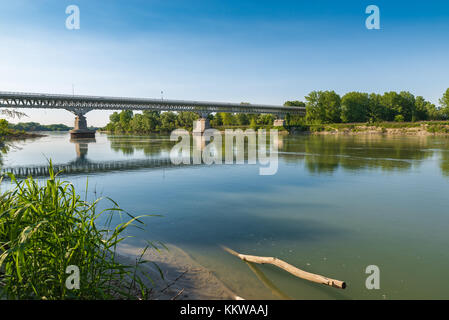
(337, 205)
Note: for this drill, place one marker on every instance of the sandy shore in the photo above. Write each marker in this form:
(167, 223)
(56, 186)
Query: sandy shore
(184, 278)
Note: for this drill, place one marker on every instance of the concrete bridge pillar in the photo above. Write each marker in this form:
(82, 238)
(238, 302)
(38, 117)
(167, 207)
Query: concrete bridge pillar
(201, 125)
(280, 121)
(81, 131)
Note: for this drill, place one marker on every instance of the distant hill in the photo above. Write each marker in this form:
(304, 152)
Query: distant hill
(34, 126)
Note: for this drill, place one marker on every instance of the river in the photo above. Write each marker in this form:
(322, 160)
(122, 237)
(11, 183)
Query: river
(336, 205)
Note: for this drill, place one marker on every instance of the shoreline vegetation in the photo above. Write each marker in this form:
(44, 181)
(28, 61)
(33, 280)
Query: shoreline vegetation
(36, 127)
(46, 229)
(9, 134)
(423, 128)
(326, 112)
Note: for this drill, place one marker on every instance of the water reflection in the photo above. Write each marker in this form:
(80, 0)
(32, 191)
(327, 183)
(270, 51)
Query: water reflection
(82, 148)
(267, 282)
(326, 154)
(82, 165)
(310, 214)
(320, 154)
(150, 145)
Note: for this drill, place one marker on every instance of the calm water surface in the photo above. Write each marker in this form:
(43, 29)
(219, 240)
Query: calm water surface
(336, 206)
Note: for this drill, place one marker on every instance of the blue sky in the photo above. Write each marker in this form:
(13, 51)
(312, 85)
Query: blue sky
(254, 51)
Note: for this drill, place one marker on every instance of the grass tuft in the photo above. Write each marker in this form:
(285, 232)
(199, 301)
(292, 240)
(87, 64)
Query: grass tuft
(45, 228)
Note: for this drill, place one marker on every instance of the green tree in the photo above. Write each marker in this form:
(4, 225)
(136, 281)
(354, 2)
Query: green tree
(253, 124)
(295, 103)
(125, 118)
(4, 127)
(392, 102)
(408, 106)
(444, 105)
(421, 109)
(332, 101)
(265, 119)
(399, 104)
(152, 120)
(295, 119)
(355, 107)
(377, 111)
(115, 117)
(242, 119)
(140, 124)
(433, 112)
(217, 120)
(323, 106)
(185, 119)
(168, 121)
(399, 118)
(228, 119)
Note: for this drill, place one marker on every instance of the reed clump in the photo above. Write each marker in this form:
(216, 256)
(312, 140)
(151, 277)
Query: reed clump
(47, 227)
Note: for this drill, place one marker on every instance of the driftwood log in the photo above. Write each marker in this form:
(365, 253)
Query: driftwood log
(289, 268)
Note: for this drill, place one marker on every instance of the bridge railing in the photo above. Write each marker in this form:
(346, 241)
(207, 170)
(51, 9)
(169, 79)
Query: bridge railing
(83, 104)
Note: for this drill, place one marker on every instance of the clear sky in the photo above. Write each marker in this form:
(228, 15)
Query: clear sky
(229, 50)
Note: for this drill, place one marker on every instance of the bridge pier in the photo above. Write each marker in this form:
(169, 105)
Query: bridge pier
(280, 121)
(201, 125)
(81, 131)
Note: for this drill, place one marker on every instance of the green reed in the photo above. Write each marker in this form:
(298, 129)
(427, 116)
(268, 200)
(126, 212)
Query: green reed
(44, 228)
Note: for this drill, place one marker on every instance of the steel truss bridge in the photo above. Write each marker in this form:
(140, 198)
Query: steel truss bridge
(80, 105)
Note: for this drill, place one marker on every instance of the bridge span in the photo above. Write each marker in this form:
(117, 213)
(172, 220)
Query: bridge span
(80, 105)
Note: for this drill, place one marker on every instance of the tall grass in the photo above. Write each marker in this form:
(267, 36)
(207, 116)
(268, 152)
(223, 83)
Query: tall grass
(44, 228)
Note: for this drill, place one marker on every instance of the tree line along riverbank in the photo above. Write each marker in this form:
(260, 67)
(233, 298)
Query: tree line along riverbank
(9, 133)
(390, 128)
(326, 111)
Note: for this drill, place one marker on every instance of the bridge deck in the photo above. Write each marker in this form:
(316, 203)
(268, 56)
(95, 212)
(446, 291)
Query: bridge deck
(82, 104)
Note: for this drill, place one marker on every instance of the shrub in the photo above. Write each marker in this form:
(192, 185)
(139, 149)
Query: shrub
(44, 229)
(399, 118)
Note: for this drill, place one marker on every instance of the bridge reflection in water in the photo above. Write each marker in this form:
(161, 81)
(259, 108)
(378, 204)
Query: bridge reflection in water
(158, 158)
(82, 165)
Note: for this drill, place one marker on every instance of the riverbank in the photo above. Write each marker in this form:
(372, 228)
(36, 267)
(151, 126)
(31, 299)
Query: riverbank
(20, 136)
(107, 272)
(7, 133)
(386, 128)
(222, 129)
(183, 278)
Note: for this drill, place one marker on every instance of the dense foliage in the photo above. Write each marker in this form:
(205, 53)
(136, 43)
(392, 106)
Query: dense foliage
(322, 107)
(328, 107)
(44, 228)
(152, 121)
(6, 132)
(4, 128)
(34, 126)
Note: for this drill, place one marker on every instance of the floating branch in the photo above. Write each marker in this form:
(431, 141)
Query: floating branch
(289, 268)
